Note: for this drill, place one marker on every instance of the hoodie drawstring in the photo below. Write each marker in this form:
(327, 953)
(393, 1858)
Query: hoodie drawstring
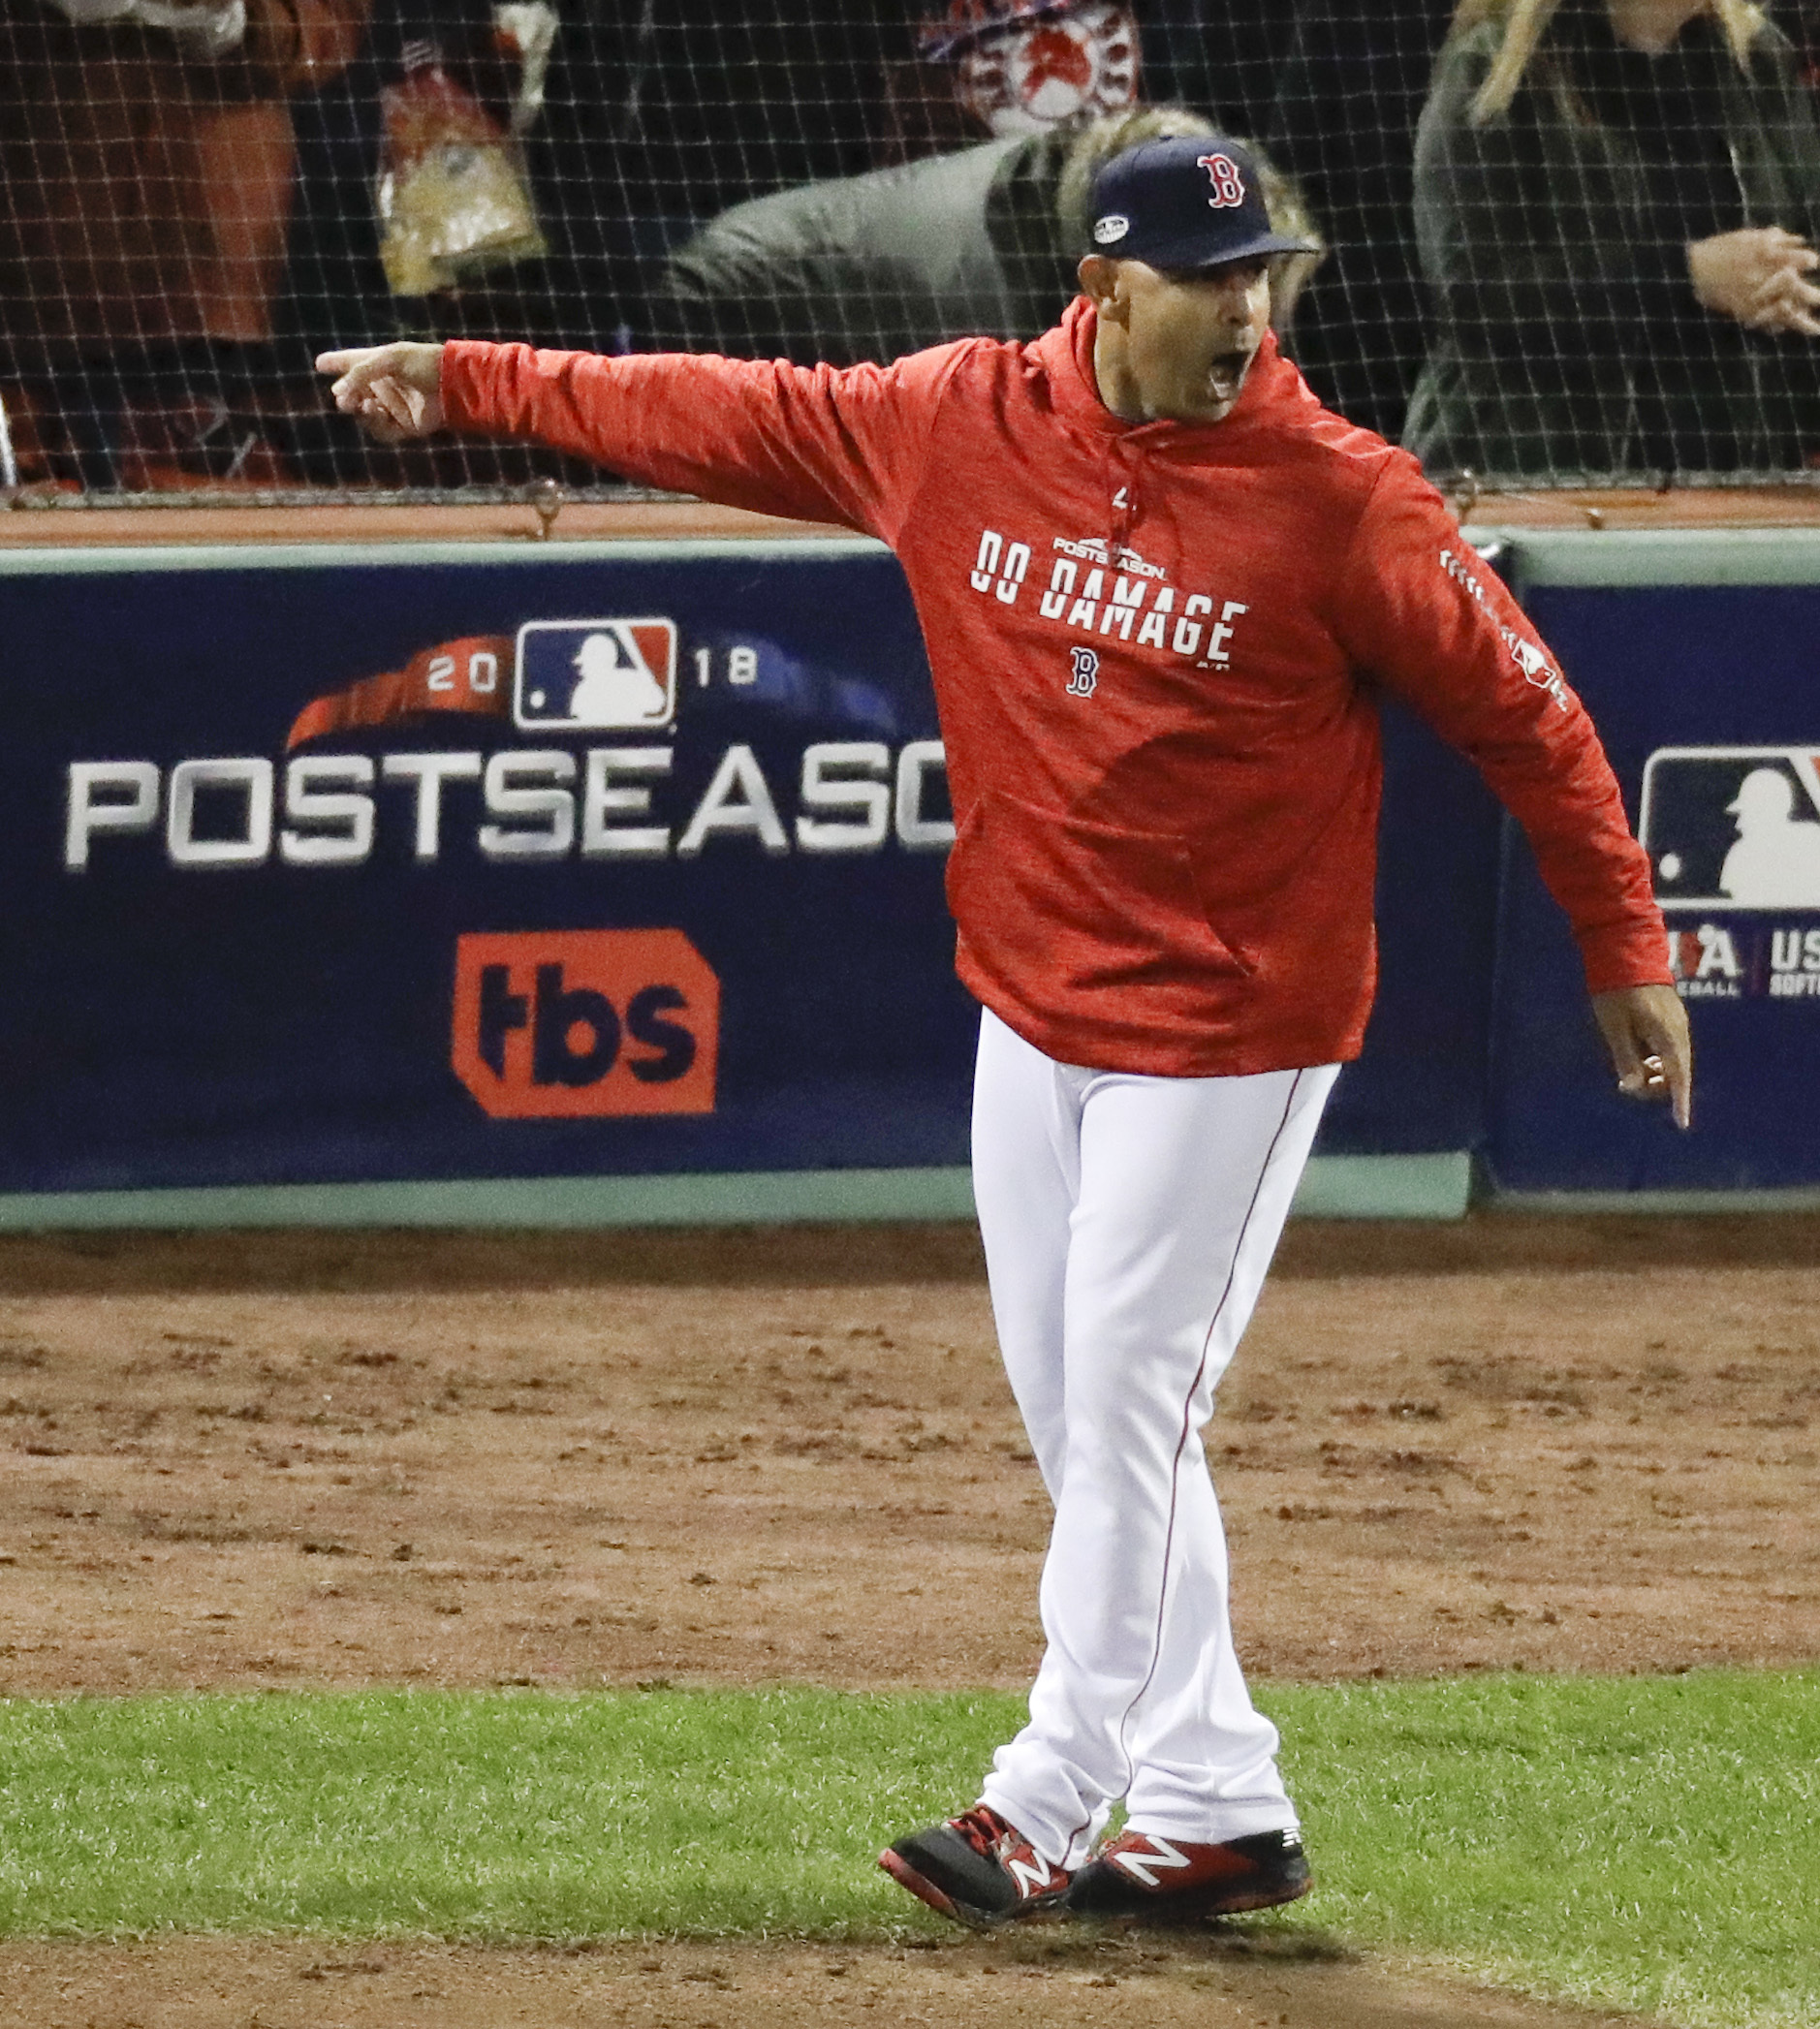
(1125, 501)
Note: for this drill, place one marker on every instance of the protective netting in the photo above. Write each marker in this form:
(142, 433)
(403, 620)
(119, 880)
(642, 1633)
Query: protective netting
(1553, 255)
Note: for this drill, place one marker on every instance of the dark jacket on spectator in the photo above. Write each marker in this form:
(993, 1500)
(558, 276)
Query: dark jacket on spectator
(1567, 341)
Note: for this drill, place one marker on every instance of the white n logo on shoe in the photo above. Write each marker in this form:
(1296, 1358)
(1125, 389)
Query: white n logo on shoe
(1032, 1876)
(1140, 1865)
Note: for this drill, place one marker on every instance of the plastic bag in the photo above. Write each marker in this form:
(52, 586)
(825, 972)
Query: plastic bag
(205, 29)
(453, 195)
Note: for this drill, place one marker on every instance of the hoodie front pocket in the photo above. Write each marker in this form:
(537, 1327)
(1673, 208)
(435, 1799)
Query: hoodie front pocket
(1102, 909)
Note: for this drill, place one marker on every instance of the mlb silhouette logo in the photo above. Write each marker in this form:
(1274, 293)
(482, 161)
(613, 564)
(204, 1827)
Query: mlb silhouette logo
(1733, 827)
(595, 675)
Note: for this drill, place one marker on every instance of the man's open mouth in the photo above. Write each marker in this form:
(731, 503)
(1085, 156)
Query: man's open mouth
(1226, 374)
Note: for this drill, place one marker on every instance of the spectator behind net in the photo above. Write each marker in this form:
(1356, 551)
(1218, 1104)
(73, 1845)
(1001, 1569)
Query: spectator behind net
(1349, 88)
(983, 241)
(1615, 204)
(146, 167)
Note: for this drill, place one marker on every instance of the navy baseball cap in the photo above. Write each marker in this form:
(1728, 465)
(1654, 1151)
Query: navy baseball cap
(1188, 202)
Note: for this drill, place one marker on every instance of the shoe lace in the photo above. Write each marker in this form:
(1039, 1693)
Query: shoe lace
(982, 1827)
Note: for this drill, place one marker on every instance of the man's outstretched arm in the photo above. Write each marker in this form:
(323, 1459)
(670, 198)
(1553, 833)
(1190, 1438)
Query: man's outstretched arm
(809, 443)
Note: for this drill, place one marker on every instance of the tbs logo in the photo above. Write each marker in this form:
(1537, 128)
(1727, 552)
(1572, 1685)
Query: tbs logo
(595, 675)
(565, 1023)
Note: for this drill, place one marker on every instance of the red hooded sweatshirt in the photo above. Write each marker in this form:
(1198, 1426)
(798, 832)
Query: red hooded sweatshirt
(1155, 651)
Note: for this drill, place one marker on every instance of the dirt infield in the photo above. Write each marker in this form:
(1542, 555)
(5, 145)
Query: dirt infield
(463, 1459)
(1013, 1982)
(571, 1460)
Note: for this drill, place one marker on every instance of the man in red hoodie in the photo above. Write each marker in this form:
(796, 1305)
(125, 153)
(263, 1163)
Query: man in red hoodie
(1159, 586)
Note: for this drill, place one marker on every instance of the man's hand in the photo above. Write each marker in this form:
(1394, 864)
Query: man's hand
(1761, 276)
(1646, 1030)
(394, 389)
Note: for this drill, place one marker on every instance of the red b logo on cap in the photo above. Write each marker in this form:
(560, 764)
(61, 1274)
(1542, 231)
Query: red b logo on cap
(1229, 186)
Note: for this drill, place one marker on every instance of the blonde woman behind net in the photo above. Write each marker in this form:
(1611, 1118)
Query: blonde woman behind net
(1615, 205)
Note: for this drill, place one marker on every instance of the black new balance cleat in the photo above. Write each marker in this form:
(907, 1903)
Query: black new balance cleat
(977, 1869)
(1142, 1878)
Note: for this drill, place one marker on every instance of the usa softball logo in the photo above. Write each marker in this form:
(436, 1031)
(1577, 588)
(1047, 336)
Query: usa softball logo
(1228, 185)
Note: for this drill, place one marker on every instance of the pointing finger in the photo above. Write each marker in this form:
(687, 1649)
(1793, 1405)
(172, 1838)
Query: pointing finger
(1669, 1066)
(1678, 1071)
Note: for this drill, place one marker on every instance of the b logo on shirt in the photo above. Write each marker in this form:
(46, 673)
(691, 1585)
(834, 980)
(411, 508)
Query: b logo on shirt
(1086, 673)
(1229, 186)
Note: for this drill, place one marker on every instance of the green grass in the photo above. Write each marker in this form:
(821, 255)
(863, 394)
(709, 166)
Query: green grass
(1651, 1843)
(485, 1815)
(1637, 1842)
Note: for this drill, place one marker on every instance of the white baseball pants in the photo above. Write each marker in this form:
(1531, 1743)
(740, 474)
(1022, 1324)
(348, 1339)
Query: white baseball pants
(1128, 1224)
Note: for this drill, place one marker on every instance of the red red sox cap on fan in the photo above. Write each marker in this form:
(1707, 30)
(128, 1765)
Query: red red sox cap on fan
(1188, 202)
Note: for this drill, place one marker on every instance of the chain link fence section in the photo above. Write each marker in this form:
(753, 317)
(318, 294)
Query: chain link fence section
(1554, 256)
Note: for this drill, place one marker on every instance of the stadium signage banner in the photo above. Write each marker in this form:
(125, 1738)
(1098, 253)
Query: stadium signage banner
(495, 862)
(444, 864)
(1704, 693)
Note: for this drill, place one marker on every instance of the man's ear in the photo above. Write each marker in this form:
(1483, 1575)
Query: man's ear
(1099, 280)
